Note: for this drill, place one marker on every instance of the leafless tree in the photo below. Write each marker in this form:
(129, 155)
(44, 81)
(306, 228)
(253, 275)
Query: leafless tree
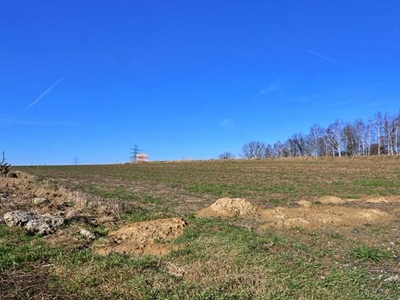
(378, 128)
(277, 149)
(389, 129)
(4, 166)
(335, 134)
(361, 130)
(226, 155)
(316, 137)
(299, 145)
(396, 128)
(254, 149)
(370, 126)
(269, 151)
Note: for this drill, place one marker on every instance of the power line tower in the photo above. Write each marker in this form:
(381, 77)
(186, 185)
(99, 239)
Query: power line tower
(134, 151)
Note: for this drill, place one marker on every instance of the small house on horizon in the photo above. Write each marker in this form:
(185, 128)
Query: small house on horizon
(141, 157)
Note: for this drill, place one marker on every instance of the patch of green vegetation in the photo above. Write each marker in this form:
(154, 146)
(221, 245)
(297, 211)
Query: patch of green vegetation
(152, 200)
(18, 249)
(376, 182)
(119, 192)
(365, 253)
(138, 214)
(220, 190)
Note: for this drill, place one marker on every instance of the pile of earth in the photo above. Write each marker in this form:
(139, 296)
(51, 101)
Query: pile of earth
(145, 237)
(230, 207)
(324, 212)
(154, 237)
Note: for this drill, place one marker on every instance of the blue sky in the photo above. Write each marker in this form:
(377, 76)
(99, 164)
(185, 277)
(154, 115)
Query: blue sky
(187, 79)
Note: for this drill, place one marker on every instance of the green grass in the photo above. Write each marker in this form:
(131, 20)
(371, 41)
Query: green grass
(365, 253)
(220, 258)
(278, 179)
(19, 249)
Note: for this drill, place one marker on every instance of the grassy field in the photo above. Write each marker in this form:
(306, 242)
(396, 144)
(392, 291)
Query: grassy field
(216, 258)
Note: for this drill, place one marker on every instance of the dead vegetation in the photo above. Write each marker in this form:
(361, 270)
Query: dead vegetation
(282, 229)
(4, 166)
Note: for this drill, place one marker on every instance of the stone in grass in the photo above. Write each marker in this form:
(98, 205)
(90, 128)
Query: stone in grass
(40, 201)
(18, 218)
(39, 226)
(33, 223)
(87, 234)
(44, 224)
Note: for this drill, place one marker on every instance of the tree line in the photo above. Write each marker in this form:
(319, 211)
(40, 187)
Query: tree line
(379, 135)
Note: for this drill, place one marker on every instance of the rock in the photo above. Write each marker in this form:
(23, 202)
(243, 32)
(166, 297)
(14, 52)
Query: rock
(33, 223)
(40, 201)
(2, 221)
(53, 221)
(18, 218)
(39, 226)
(88, 234)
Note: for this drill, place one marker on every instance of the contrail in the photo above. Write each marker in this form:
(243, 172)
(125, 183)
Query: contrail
(324, 57)
(45, 92)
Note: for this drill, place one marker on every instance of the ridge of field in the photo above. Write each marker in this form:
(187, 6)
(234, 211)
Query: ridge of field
(266, 182)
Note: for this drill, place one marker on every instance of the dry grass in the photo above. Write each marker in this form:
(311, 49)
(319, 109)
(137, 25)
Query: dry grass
(225, 258)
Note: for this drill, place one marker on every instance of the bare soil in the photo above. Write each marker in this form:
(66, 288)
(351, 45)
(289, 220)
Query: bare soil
(227, 207)
(145, 237)
(326, 212)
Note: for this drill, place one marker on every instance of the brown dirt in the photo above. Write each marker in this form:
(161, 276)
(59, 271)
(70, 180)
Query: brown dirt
(322, 216)
(229, 208)
(331, 200)
(144, 237)
(324, 212)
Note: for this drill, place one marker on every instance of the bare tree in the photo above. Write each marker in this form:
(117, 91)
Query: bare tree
(388, 126)
(302, 143)
(4, 166)
(254, 149)
(351, 139)
(396, 128)
(226, 155)
(316, 140)
(369, 135)
(378, 128)
(360, 128)
(277, 149)
(335, 134)
(269, 152)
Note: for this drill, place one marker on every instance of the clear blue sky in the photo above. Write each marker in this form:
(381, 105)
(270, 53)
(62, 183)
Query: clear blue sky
(187, 79)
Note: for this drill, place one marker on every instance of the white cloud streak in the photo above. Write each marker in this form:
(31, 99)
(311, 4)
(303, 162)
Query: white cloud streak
(48, 90)
(325, 57)
(276, 85)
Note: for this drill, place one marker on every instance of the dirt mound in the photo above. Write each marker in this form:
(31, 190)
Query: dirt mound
(144, 237)
(230, 208)
(320, 216)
